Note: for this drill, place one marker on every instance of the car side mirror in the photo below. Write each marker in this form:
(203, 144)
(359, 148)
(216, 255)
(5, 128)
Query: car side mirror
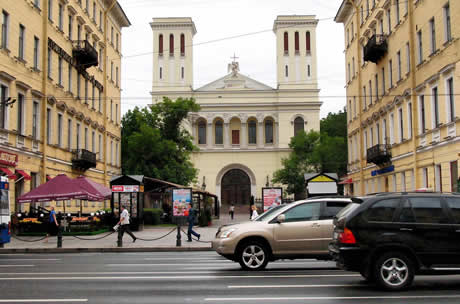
(281, 218)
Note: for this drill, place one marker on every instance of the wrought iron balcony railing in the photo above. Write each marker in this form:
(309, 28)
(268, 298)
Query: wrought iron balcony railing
(83, 159)
(379, 154)
(375, 48)
(85, 54)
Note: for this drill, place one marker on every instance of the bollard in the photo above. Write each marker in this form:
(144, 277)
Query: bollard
(120, 238)
(178, 239)
(59, 237)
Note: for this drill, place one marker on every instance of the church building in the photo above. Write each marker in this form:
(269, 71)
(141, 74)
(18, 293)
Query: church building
(244, 127)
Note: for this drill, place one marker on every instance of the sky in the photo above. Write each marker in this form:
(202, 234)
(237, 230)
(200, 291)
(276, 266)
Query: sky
(216, 22)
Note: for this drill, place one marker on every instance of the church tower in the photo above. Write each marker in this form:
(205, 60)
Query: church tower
(172, 54)
(296, 52)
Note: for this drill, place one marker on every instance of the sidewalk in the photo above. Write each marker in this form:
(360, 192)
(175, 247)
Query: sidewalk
(109, 243)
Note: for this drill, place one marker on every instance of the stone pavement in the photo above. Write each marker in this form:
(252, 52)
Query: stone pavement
(97, 244)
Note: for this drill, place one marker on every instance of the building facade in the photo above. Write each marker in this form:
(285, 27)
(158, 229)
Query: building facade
(60, 91)
(244, 127)
(403, 75)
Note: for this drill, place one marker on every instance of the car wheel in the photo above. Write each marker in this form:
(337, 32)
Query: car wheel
(253, 256)
(394, 271)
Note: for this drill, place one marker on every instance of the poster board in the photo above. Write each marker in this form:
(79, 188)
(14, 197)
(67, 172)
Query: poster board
(181, 197)
(272, 197)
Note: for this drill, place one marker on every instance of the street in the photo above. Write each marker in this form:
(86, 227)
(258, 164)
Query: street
(195, 277)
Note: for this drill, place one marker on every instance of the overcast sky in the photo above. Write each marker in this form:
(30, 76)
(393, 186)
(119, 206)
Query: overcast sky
(220, 19)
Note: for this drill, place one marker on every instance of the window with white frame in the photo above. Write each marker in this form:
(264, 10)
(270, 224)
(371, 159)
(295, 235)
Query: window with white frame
(93, 141)
(450, 101)
(70, 78)
(383, 81)
(3, 110)
(377, 130)
(389, 20)
(100, 147)
(35, 119)
(401, 124)
(21, 109)
(61, 16)
(403, 181)
(365, 142)
(364, 98)
(422, 114)
(409, 120)
(5, 29)
(116, 154)
(111, 152)
(86, 139)
(435, 107)
(408, 57)
(36, 52)
(370, 92)
(50, 10)
(354, 107)
(390, 72)
(78, 136)
(48, 126)
(69, 134)
(425, 177)
(433, 35)
(398, 57)
(376, 82)
(384, 131)
(70, 27)
(392, 123)
(59, 130)
(398, 17)
(420, 46)
(22, 41)
(60, 71)
(447, 25)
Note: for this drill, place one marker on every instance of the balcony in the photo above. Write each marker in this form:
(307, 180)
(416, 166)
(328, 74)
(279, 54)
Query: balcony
(83, 159)
(379, 154)
(85, 55)
(375, 48)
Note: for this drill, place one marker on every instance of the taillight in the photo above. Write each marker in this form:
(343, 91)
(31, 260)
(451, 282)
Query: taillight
(9, 228)
(347, 237)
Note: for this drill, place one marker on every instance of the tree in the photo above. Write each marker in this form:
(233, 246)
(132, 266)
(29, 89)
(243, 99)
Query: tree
(155, 144)
(315, 152)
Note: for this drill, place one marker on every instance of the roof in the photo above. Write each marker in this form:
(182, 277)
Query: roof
(310, 176)
(232, 82)
(343, 11)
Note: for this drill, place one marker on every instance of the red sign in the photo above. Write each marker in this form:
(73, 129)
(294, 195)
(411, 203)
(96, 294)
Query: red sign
(9, 159)
(126, 188)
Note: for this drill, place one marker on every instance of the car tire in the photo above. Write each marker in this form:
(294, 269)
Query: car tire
(367, 275)
(393, 271)
(253, 256)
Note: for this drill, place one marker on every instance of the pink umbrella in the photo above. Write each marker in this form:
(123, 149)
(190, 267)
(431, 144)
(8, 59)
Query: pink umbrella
(60, 188)
(93, 188)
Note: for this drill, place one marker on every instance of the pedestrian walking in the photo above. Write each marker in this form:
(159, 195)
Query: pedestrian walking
(254, 213)
(124, 224)
(191, 221)
(231, 211)
(52, 224)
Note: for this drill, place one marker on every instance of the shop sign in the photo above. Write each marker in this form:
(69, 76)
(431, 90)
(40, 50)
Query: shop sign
(125, 188)
(272, 197)
(383, 170)
(8, 159)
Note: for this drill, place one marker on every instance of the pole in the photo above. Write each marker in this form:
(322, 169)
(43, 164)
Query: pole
(178, 238)
(120, 238)
(59, 237)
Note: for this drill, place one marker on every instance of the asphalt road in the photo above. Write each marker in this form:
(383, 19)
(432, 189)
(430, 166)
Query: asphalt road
(196, 277)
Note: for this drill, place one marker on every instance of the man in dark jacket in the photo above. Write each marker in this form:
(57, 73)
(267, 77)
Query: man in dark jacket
(191, 221)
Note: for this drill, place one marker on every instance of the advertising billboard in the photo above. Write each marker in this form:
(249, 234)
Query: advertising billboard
(181, 198)
(272, 197)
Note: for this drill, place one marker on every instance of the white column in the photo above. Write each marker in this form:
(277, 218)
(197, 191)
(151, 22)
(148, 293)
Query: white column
(209, 141)
(260, 135)
(244, 135)
(226, 135)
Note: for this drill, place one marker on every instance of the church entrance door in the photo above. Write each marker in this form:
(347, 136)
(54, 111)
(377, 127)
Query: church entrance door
(236, 188)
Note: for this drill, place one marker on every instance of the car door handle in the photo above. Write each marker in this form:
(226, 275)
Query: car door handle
(406, 229)
(314, 225)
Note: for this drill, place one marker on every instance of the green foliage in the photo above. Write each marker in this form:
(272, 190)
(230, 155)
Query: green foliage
(152, 216)
(205, 217)
(315, 152)
(154, 144)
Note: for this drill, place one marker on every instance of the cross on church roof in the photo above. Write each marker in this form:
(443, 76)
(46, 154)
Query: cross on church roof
(234, 57)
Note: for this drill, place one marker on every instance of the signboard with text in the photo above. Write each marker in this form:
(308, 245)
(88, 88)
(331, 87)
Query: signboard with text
(181, 198)
(127, 188)
(8, 159)
(272, 197)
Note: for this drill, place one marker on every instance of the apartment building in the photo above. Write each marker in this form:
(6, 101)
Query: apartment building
(402, 82)
(60, 91)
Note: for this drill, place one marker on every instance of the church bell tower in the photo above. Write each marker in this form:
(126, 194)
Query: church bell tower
(172, 54)
(296, 52)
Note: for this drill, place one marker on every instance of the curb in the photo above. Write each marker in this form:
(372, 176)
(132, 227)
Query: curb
(115, 249)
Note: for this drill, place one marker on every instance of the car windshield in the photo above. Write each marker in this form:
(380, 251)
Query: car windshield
(268, 213)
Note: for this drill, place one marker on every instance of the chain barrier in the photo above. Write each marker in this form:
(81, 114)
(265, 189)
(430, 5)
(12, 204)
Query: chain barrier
(92, 239)
(29, 241)
(195, 239)
(159, 238)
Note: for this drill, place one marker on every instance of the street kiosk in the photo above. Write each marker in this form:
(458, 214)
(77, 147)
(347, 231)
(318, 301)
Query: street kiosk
(128, 191)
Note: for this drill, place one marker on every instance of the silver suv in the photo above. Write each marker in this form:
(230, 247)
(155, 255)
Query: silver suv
(302, 229)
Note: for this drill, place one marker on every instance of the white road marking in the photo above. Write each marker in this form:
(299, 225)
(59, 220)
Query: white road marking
(42, 300)
(332, 298)
(30, 259)
(183, 277)
(17, 265)
(292, 286)
(211, 262)
(180, 258)
(131, 272)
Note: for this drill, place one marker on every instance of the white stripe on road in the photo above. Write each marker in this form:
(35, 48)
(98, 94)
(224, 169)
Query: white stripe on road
(29, 260)
(332, 298)
(133, 272)
(201, 259)
(293, 286)
(42, 300)
(201, 277)
(17, 265)
(213, 263)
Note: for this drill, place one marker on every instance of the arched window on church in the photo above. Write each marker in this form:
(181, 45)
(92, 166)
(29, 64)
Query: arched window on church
(219, 133)
(182, 45)
(160, 45)
(298, 125)
(296, 42)
(286, 43)
(269, 131)
(202, 133)
(307, 42)
(252, 132)
(171, 45)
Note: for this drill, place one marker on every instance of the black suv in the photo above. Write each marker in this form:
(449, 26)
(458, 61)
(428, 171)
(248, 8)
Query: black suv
(393, 236)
